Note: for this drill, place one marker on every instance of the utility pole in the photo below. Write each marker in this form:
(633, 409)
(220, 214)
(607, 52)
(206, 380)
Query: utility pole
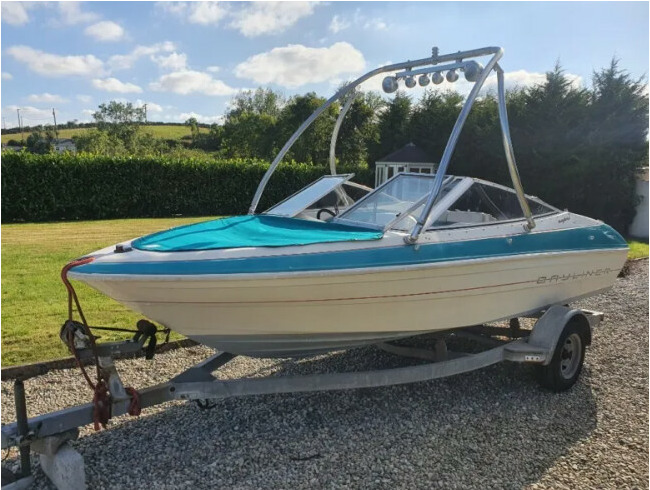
(4, 123)
(56, 130)
(145, 113)
(20, 127)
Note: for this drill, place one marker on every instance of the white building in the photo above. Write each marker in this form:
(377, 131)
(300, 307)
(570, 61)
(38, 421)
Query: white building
(409, 158)
(639, 227)
(64, 144)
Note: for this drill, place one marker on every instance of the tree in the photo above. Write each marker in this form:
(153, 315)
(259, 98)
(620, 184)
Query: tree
(359, 130)
(313, 144)
(40, 140)
(118, 132)
(260, 102)
(433, 119)
(194, 129)
(249, 135)
(99, 143)
(617, 139)
(619, 109)
(250, 127)
(120, 120)
(394, 125)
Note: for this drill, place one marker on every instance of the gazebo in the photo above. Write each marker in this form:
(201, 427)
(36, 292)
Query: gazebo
(409, 158)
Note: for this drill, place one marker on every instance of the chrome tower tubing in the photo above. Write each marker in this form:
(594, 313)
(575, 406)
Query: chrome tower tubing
(433, 60)
(422, 221)
(510, 154)
(335, 132)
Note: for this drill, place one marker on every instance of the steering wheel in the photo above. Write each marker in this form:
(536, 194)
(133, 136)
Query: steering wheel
(325, 210)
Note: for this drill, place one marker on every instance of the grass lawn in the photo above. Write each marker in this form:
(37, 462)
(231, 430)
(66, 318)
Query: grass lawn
(34, 301)
(173, 132)
(637, 249)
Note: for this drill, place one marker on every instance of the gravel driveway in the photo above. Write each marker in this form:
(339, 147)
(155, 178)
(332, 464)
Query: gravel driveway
(491, 428)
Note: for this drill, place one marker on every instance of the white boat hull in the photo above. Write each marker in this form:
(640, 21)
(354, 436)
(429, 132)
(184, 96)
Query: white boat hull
(271, 316)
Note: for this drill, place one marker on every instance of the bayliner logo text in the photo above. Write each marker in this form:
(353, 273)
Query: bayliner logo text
(570, 277)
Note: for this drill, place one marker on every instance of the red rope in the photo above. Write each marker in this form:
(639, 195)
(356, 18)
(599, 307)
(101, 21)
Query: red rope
(101, 395)
(101, 405)
(134, 407)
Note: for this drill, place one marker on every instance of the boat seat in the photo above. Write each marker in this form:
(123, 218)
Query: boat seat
(456, 216)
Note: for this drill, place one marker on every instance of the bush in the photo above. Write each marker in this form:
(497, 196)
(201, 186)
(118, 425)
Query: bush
(73, 187)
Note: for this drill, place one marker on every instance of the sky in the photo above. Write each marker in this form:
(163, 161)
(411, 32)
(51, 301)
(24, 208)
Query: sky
(188, 59)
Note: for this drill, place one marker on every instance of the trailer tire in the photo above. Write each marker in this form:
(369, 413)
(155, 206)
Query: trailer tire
(569, 355)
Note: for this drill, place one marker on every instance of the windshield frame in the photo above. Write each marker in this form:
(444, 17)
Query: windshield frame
(460, 187)
(343, 220)
(457, 193)
(346, 179)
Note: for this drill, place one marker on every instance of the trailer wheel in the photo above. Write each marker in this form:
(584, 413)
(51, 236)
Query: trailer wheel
(565, 367)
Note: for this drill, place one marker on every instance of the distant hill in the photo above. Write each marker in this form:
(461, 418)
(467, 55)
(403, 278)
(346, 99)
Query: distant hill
(167, 131)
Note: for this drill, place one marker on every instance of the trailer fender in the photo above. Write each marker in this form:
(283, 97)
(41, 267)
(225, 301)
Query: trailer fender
(549, 327)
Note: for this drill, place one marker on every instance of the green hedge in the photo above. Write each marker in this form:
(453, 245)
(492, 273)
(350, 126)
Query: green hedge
(74, 187)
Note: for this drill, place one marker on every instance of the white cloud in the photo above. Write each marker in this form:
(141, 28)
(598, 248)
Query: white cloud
(7, 76)
(204, 13)
(151, 106)
(47, 98)
(184, 116)
(176, 8)
(86, 99)
(357, 20)
(15, 13)
(259, 18)
(375, 24)
(249, 18)
(105, 31)
(31, 115)
(115, 85)
(70, 13)
(213, 69)
(338, 24)
(125, 61)
(295, 65)
(174, 61)
(88, 112)
(189, 81)
(54, 65)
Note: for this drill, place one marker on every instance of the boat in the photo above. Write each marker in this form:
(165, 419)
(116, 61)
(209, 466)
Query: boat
(338, 265)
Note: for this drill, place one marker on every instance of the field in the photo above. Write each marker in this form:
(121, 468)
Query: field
(175, 132)
(34, 299)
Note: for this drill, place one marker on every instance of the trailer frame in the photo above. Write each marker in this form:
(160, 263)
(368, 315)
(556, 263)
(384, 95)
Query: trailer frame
(48, 434)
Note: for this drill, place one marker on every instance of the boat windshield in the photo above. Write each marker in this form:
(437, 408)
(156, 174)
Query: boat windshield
(396, 197)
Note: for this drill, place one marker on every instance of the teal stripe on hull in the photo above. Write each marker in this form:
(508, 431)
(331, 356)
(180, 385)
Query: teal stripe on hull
(580, 239)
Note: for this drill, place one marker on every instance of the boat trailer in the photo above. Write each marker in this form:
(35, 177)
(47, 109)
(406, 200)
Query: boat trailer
(556, 344)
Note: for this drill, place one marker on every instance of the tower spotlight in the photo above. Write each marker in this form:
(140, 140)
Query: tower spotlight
(423, 80)
(389, 84)
(472, 71)
(409, 82)
(437, 78)
(452, 76)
